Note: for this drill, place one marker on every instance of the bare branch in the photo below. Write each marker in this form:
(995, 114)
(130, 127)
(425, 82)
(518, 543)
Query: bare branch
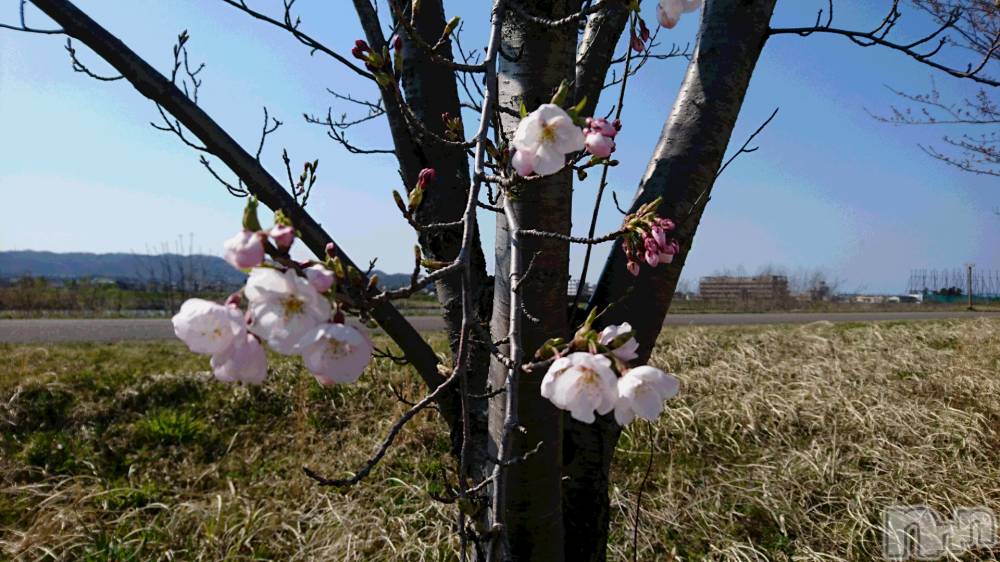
(879, 35)
(293, 27)
(28, 29)
(367, 467)
(80, 67)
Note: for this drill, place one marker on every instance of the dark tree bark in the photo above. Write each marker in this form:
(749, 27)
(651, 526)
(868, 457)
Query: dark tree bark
(536, 60)
(430, 90)
(682, 170)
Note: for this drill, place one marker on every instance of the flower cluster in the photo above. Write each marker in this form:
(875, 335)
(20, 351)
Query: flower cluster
(288, 305)
(646, 238)
(668, 12)
(599, 136)
(591, 376)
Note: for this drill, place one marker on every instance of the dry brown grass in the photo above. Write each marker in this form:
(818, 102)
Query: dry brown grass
(785, 444)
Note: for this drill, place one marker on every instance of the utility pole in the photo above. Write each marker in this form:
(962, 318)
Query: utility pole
(968, 279)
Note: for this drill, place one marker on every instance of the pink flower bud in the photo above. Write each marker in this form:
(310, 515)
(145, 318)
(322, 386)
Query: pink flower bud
(599, 145)
(245, 250)
(659, 235)
(331, 250)
(283, 236)
(361, 45)
(603, 126)
(652, 253)
(397, 43)
(427, 175)
(319, 277)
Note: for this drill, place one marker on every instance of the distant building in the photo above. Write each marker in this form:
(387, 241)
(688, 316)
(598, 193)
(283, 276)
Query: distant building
(733, 288)
(574, 286)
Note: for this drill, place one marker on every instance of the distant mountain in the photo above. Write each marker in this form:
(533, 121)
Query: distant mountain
(118, 267)
(136, 267)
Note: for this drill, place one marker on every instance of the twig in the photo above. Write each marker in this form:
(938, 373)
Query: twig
(386, 443)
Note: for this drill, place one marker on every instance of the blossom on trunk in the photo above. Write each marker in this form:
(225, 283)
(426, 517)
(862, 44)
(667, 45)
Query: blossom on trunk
(244, 361)
(581, 383)
(283, 307)
(319, 277)
(641, 392)
(624, 350)
(336, 353)
(244, 250)
(543, 139)
(206, 326)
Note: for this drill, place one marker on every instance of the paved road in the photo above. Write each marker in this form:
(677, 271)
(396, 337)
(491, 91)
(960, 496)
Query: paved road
(106, 330)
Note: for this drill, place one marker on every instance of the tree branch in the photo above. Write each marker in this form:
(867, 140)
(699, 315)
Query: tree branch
(158, 88)
(878, 36)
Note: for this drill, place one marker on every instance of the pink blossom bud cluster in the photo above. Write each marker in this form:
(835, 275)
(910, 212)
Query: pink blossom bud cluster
(591, 376)
(599, 136)
(647, 238)
(668, 12)
(379, 63)
(288, 306)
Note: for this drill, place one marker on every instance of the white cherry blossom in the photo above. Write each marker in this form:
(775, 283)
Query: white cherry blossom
(641, 392)
(206, 326)
(581, 383)
(627, 350)
(244, 360)
(336, 353)
(543, 139)
(283, 307)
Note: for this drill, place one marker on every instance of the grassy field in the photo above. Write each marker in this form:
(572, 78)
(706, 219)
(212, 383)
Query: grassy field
(785, 444)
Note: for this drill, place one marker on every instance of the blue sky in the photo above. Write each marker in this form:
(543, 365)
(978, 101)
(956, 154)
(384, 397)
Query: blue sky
(82, 170)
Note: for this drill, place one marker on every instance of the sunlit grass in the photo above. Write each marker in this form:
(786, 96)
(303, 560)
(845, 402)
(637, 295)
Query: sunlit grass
(785, 443)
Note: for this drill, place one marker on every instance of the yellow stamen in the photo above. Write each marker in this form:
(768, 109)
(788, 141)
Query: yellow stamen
(548, 133)
(293, 306)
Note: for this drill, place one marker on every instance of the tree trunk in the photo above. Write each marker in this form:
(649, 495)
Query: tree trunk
(431, 90)
(682, 170)
(535, 59)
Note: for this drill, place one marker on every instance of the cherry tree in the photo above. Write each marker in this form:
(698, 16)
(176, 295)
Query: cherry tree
(536, 392)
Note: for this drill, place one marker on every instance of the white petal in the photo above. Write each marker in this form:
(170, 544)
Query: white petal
(623, 412)
(548, 160)
(569, 137)
(647, 405)
(529, 132)
(265, 283)
(583, 413)
(523, 162)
